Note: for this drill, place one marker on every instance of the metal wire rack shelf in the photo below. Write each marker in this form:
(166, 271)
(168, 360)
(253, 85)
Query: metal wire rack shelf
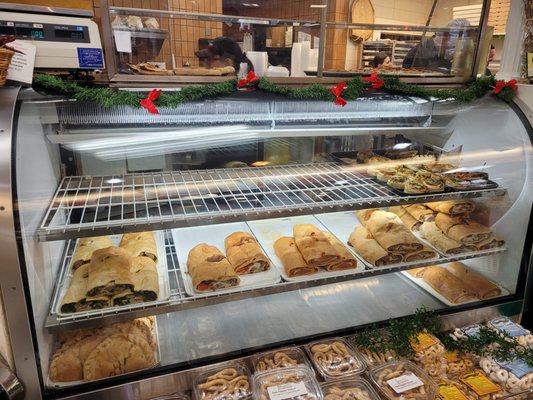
(89, 205)
(180, 300)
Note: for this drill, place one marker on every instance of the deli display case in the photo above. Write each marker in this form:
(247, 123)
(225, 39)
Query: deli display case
(232, 227)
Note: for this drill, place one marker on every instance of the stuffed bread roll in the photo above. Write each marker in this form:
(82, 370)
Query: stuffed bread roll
(109, 272)
(447, 284)
(384, 174)
(465, 231)
(431, 232)
(473, 281)
(146, 281)
(364, 215)
(245, 254)
(415, 186)
(346, 259)
(315, 247)
(397, 181)
(425, 254)
(389, 231)
(140, 244)
(433, 182)
(406, 218)
(490, 243)
(76, 300)
(363, 242)
(291, 258)
(86, 247)
(452, 207)
(420, 212)
(210, 270)
(417, 272)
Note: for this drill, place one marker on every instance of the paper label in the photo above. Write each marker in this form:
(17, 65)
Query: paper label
(451, 392)
(451, 356)
(518, 367)
(287, 391)
(509, 327)
(480, 384)
(405, 382)
(21, 66)
(89, 57)
(122, 41)
(422, 342)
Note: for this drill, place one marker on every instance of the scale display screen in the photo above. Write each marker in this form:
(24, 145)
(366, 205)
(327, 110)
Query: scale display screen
(45, 32)
(68, 34)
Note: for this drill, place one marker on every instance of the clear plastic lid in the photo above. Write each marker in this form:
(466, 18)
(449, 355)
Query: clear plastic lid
(400, 380)
(335, 358)
(351, 388)
(228, 381)
(293, 383)
(479, 385)
(281, 358)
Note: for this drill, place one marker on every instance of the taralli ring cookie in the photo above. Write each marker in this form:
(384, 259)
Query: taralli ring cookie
(403, 380)
(229, 383)
(334, 358)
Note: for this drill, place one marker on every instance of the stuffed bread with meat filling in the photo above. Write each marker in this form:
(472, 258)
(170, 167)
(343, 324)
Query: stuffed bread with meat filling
(425, 254)
(76, 300)
(245, 254)
(473, 281)
(431, 232)
(315, 247)
(291, 258)
(420, 212)
(109, 272)
(466, 231)
(146, 281)
(140, 244)
(86, 247)
(452, 207)
(407, 218)
(447, 284)
(346, 259)
(210, 270)
(390, 232)
(364, 244)
(491, 242)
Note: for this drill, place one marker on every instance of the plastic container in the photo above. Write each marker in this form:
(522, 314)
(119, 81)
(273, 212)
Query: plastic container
(399, 380)
(480, 386)
(428, 349)
(281, 358)
(457, 364)
(352, 388)
(373, 359)
(514, 330)
(513, 376)
(449, 389)
(335, 358)
(293, 383)
(228, 381)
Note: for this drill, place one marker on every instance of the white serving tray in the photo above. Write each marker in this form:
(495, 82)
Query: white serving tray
(342, 224)
(186, 238)
(269, 230)
(162, 270)
(424, 285)
(157, 354)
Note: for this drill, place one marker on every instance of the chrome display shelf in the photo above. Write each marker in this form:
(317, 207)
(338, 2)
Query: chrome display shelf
(103, 205)
(179, 300)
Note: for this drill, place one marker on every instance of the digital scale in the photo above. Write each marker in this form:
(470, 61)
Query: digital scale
(64, 38)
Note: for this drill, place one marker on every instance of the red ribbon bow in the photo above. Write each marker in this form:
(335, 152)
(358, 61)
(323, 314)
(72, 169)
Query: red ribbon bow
(374, 80)
(500, 85)
(337, 91)
(148, 101)
(250, 79)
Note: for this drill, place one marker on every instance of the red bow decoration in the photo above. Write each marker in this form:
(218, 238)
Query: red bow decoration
(337, 91)
(250, 79)
(500, 85)
(374, 80)
(148, 101)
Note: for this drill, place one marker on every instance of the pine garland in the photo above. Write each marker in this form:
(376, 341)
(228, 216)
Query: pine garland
(355, 88)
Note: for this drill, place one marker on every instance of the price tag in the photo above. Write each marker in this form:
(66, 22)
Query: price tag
(422, 342)
(287, 391)
(21, 66)
(451, 392)
(405, 382)
(122, 41)
(451, 356)
(518, 368)
(479, 383)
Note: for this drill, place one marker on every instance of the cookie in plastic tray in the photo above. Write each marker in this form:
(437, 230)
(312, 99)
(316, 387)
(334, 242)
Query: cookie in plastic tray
(456, 364)
(281, 358)
(513, 376)
(228, 381)
(403, 380)
(349, 389)
(334, 358)
(293, 383)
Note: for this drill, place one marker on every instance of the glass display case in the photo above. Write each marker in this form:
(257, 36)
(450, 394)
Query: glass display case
(252, 224)
(180, 41)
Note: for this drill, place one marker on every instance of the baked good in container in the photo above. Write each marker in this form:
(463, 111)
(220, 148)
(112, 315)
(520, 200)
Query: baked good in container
(334, 358)
(389, 231)
(230, 381)
(349, 389)
(365, 245)
(140, 244)
(431, 232)
(313, 244)
(294, 383)
(146, 282)
(292, 259)
(473, 281)
(245, 254)
(76, 300)
(411, 222)
(281, 358)
(465, 231)
(452, 207)
(415, 186)
(397, 181)
(345, 261)
(491, 242)
(109, 272)
(85, 248)
(425, 253)
(447, 284)
(210, 270)
(420, 212)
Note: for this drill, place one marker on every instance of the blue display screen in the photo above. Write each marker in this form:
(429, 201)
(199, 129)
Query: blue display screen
(37, 34)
